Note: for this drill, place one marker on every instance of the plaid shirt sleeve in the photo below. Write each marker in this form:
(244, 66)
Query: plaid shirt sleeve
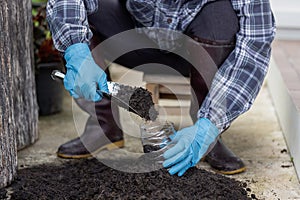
(239, 79)
(68, 21)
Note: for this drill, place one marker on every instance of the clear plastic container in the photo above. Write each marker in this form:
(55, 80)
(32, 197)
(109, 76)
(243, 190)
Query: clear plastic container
(155, 135)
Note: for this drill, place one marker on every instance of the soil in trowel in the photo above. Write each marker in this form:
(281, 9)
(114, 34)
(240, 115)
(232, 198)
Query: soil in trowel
(140, 100)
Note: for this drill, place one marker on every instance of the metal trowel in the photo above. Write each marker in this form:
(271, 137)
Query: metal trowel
(113, 88)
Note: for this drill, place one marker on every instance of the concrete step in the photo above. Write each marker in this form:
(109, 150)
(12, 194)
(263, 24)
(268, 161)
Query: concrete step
(284, 85)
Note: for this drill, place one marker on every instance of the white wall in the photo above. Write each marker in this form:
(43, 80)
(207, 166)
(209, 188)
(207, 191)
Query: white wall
(287, 15)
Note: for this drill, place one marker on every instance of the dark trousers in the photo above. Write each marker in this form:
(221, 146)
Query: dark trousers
(212, 39)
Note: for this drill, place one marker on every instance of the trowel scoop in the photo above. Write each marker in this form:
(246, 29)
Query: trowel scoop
(133, 99)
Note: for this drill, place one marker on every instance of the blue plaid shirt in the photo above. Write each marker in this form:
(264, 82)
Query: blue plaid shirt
(239, 79)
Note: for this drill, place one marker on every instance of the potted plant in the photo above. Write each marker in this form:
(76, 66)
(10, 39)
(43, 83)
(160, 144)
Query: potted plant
(46, 59)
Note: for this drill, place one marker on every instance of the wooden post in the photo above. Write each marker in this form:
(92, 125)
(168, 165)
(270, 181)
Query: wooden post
(18, 107)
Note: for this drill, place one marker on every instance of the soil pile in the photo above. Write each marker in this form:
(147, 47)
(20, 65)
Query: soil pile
(90, 179)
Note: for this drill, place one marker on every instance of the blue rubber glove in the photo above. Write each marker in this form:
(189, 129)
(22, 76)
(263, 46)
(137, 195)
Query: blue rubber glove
(191, 145)
(84, 77)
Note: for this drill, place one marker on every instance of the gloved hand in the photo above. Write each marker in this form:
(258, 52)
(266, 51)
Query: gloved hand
(83, 75)
(191, 145)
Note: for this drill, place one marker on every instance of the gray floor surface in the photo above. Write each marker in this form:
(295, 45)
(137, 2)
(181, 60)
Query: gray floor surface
(255, 136)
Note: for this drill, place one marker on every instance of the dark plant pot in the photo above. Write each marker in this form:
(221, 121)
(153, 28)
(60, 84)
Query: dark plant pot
(49, 92)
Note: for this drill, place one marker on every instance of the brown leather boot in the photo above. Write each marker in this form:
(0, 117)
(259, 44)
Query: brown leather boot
(101, 131)
(220, 158)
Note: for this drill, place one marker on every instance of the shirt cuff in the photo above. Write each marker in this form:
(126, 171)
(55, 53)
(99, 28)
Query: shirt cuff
(219, 119)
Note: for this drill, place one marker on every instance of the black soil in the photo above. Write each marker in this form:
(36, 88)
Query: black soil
(150, 148)
(90, 179)
(140, 100)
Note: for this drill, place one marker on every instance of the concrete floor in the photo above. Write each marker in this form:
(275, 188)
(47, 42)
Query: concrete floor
(256, 137)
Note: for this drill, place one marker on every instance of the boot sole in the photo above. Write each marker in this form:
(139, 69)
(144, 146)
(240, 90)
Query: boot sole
(111, 146)
(237, 171)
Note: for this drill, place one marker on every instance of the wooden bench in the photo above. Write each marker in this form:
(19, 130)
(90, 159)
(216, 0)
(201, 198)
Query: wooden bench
(170, 92)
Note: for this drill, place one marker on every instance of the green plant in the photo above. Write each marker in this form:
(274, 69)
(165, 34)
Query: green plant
(44, 50)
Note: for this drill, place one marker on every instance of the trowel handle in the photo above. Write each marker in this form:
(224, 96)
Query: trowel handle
(56, 74)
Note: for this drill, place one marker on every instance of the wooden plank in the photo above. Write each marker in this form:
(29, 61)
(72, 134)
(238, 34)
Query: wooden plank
(164, 79)
(173, 96)
(174, 103)
(173, 111)
(154, 89)
(174, 107)
(175, 89)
